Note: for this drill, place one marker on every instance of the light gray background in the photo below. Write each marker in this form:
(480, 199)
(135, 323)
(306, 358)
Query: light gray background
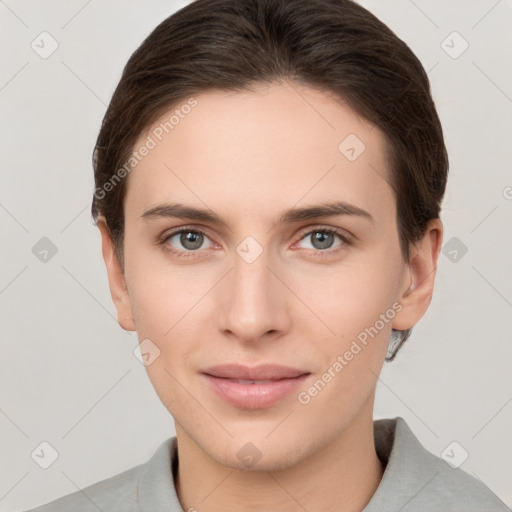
(68, 374)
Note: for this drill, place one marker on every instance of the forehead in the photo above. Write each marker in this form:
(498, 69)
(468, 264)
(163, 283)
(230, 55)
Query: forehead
(277, 144)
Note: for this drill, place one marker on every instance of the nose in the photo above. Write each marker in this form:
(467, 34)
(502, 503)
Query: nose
(254, 303)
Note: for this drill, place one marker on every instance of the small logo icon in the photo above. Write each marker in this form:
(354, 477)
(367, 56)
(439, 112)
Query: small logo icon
(44, 45)
(454, 249)
(454, 45)
(249, 455)
(454, 454)
(44, 250)
(146, 352)
(351, 147)
(249, 249)
(44, 455)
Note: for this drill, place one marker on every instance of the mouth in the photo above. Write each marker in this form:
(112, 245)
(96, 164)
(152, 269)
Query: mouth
(254, 388)
(241, 381)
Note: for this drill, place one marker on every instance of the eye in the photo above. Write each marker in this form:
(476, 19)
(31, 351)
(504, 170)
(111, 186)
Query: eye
(323, 239)
(187, 240)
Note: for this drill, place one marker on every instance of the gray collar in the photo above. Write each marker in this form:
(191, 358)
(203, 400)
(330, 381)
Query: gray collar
(413, 480)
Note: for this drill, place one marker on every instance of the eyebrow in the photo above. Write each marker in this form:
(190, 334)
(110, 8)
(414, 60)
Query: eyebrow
(179, 211)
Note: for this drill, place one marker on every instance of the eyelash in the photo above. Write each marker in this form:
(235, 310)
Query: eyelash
(347, 241)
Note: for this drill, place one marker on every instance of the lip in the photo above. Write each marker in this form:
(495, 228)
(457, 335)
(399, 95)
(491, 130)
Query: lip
(272, 383)
(260, 372)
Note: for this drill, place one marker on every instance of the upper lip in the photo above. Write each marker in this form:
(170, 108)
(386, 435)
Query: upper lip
(260, 372)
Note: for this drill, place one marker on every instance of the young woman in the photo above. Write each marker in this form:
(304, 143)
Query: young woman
(269, 176)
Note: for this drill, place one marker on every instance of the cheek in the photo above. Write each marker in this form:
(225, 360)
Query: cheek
(352, 297)
(339, 393)
(356, 304)
(164, 313)
(359, 310)
(163, 294)
(163, 309)
(166, 304)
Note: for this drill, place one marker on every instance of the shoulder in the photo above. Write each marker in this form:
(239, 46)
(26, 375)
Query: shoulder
(125, 491)
(420, 481)
(456, 489)
(105, 495)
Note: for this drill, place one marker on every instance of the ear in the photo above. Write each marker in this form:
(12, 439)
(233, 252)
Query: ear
(418, 285)
(116, 279)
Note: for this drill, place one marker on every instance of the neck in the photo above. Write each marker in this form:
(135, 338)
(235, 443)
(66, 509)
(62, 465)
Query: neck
(342, 476)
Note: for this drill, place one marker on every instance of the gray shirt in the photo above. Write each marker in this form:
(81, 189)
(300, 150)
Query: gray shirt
(413, 480)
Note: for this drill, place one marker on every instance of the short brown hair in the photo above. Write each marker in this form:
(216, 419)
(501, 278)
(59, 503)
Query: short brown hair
(230, 45)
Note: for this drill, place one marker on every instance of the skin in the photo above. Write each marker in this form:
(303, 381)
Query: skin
(249, 156)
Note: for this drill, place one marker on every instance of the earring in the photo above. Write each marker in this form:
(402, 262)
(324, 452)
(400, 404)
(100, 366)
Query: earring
(394, 341)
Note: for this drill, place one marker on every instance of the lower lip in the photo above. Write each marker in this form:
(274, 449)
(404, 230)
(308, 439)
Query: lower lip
(254, 396)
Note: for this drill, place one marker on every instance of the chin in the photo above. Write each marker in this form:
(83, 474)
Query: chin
(257, 453)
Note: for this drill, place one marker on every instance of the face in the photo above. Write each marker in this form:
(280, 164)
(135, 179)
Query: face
(261, 230)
